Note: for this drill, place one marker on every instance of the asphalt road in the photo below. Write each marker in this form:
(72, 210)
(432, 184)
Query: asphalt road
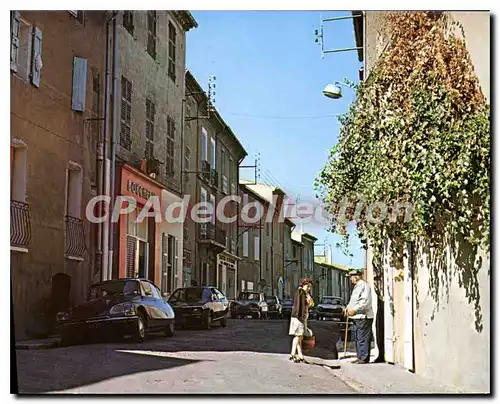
(246, 357)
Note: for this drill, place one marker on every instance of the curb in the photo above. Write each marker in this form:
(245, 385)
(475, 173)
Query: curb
(38, 345)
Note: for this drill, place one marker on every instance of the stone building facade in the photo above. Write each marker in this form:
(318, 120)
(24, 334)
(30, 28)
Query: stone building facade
(56, 79)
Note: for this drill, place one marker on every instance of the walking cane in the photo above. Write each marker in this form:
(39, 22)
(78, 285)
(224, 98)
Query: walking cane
(345, 337)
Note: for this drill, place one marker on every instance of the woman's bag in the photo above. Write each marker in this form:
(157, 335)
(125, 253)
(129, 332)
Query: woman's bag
(309, 341)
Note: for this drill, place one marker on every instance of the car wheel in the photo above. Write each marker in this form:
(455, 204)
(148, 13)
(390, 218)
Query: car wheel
(208, 321)
(223, 321)
(169, 330)
(140, 329)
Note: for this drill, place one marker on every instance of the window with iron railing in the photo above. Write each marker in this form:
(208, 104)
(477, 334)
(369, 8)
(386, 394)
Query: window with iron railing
(172, 38)
(150, 127)
(170, 156)
(151, 47)
(126, 114)
(128, 21)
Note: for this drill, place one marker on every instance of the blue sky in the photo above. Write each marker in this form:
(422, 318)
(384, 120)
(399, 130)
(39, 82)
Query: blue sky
(269, 79)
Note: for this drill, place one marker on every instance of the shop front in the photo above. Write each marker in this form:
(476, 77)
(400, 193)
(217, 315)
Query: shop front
(227, 274)
(138, 238)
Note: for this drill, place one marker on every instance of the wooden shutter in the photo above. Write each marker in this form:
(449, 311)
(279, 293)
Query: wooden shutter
(79, 84)
(36, 60)
(175, 262)
(15, 28)
(130, 257)
(164, 262)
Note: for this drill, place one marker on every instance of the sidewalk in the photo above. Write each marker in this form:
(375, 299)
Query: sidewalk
(384, 378)
(46, 343)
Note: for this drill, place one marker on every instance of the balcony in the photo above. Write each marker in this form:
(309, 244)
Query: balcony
(214, 178)
(20, 224)
(205, 170)
(224, 184)
(75, 238)
(209, 233)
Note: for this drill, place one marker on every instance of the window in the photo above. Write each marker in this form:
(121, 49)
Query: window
(212, 153)
(204, 144)
(156, 292)
(18, 169)
(212, 204)
(294, 251)
(25, 49)
(170, 146)
(78, 14)
(187, 158)
(245, 244)
(150, 128)
(268, 227)
(128, 21)
(146, 288)
(172, 34)
(257, 248)
(152, 33)
(126, 114)
(223, 162)
(267, 260)
(74, 190)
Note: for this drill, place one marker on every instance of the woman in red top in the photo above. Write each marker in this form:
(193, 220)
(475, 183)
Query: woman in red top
(298, 322)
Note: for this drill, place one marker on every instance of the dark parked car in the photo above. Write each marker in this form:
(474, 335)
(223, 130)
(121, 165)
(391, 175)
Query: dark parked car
(331, 308)
(273, 307)
(250, 304)
(117, 308)
(286, 307)
(199, 305)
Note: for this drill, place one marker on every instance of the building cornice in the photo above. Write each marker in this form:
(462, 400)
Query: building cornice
(185, 19)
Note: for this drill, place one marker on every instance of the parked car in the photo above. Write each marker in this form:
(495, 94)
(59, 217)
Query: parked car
(286, 307)
(199, 305)
(331, 308)
(118, 307)
(250, 304)
(273, 307)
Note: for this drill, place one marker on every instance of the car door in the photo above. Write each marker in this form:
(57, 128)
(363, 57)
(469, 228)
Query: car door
(150, 304)
(162, 308)
(222, 303)
(215, 302)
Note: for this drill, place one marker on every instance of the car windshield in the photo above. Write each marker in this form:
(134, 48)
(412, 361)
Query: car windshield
(189, 295)
(249, 296)
(287, 302)
(117, 288)
(271, 299)
(331, 300)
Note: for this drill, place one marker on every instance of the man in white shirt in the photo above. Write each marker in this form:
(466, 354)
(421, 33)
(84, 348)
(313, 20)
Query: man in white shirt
(360, 311)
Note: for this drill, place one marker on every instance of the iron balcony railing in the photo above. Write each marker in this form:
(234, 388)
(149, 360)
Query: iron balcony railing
(20, 224)
(75, 237)
(212, 232)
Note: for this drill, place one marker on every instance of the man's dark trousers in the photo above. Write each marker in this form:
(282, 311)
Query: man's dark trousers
(363, 338)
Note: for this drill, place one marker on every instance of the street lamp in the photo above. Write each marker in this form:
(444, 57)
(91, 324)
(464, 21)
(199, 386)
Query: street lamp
(334, 90)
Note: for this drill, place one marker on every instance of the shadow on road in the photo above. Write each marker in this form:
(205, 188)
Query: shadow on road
(72, 367)
(68, 371)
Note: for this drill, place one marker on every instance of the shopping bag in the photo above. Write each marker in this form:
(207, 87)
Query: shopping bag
(309, 341)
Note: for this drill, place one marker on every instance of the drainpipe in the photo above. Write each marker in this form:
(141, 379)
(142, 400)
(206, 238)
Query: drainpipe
(113, 143)
(237, 184)
(104, 174)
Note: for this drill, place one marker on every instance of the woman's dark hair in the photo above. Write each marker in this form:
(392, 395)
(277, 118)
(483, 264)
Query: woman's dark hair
(305, 281)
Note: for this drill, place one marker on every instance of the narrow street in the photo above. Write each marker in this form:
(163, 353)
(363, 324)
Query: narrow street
(248, 356)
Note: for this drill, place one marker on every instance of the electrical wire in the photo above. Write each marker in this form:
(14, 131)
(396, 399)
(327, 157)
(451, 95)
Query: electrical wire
(282, 117)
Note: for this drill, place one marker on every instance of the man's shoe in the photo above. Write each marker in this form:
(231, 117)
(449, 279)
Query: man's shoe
(356, 361)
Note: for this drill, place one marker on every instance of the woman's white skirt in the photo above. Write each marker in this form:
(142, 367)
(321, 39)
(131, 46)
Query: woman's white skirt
(296, 327)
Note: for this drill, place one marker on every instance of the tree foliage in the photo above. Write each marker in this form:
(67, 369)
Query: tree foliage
(418, 132)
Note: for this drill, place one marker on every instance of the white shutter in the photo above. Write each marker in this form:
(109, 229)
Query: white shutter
(212, 203)
(245, 199)
(257, 248)
(15, 29)
(176, 264)
(245, 244)
(36, 60)
(204, 145)
(79, 84)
